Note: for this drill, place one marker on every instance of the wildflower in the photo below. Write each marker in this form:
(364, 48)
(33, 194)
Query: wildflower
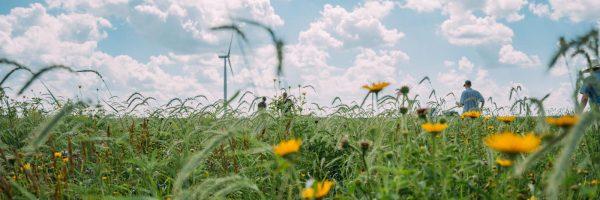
(490, 127)
(404, 90)
(487, 117)
(595, 182)
(26, 167)
(65, 160)
(376, 87)
(364, 145)
(506, 119)
(504, 162)
(104, 178)
(434, 127)
(403, 110)
(322, 190)
(287, 147)
(57, 155)
(532, 198)
(511, 143)
(471, 114)
(344, 143)
(565, 121)
(422, 112)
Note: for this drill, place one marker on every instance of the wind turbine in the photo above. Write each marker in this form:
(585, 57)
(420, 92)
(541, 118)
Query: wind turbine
(225, 61)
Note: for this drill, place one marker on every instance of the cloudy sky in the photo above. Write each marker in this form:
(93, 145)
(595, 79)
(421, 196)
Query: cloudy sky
(166, 49)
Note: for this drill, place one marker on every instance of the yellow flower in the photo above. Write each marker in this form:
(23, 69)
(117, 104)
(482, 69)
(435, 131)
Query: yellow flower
(490, 127)
(506, 119)
(27, 167)
(287, 147)
(487, 117)
(104, 178)
(57, 154)
(532, 198)
(511, 143)
(504, 162)
(563, 121)
(65, 160)
(376, 87)
(471, 114)
(434, 127)
(322, 190)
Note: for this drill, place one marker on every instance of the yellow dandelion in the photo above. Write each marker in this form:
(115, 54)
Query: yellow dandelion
(504, 162)
(532, 198)
(563, 121)
(471, 114)
(287, 147)
(506, 119)
(434, 127)
(322, 190)
(57, 155)
(511, 143)
(376, 87)
(26, 167)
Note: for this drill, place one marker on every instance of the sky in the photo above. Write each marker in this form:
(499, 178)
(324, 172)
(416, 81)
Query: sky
(166, 49)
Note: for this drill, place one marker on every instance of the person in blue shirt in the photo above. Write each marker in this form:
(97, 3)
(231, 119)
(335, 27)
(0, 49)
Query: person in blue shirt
(590, 91)
(470, 98)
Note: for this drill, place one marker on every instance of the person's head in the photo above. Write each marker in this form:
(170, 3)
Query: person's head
(264, 99)
(284, 95)
(467, 84)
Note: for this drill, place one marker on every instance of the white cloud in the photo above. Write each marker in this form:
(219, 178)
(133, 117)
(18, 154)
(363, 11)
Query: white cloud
(509, 55)
(464, 28)
(422, 5)
(508, 9)
(465, 64)
(186, 24)
(560, 99)
(575, 10)
(362, 26)
(540, 10)
(37, 38)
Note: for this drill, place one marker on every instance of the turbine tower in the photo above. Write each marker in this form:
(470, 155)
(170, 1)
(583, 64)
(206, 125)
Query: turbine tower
(226, 61)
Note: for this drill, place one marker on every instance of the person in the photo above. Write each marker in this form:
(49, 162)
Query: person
(263, 104)
(590, 91)
(470, 98)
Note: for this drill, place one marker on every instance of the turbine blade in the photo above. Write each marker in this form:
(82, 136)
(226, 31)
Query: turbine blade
(230, 67)
(229, 49)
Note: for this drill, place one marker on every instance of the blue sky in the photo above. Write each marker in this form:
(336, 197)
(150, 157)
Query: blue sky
(166, 49)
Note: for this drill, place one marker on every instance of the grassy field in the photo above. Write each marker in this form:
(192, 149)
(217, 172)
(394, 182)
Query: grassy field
(92, 155)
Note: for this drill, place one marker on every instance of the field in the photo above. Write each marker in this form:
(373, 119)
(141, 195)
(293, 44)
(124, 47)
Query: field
(388, 147)
(90, 154)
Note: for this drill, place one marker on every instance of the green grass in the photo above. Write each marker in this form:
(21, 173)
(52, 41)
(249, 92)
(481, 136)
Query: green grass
(207, 157)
